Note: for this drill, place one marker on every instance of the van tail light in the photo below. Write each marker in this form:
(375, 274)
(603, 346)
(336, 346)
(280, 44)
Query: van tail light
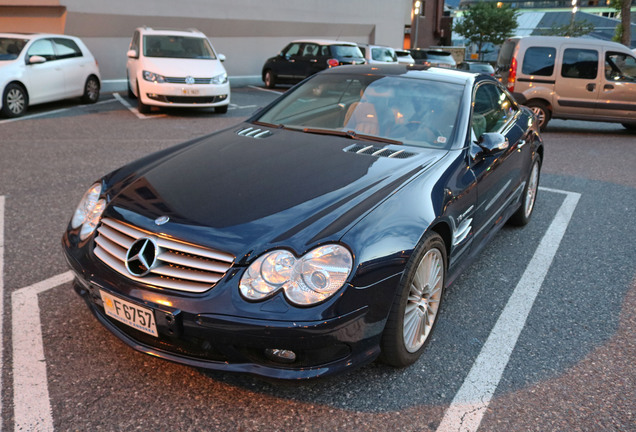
(332, 62)
(512, 74)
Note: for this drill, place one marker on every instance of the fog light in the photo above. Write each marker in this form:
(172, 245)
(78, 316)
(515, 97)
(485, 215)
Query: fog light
(280, 355)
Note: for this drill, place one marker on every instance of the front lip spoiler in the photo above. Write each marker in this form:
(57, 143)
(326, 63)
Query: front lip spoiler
(350, 362)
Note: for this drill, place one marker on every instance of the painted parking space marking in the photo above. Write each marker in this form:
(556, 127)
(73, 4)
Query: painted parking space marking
(2, 200)
(134, 110)
(31, 402)
(471, 401)
(47, 113)
(266, 90)
(32, 405)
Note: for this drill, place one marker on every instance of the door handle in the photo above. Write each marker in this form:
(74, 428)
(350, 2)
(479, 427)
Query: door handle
(608, 87)
(590, 87)
(521, 143)
(314, 60)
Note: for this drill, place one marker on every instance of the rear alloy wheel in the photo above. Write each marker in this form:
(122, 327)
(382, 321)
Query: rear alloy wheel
(522, 215)
(542, 111)
(270, 79)
(91, 90)
(14, 100)
(416, 305)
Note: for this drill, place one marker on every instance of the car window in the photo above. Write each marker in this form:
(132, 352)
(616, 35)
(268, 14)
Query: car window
(620, 67)
(324, 50)
(310, 50)
(134, 43)
(413, 111)
(505, 53)
(539, 61)
(170, 46)
(383, 54)
(10, 48)
(292, 49)
(43, 48)
(492, 109)
(66, 48)
(579, 63)
(346, 51)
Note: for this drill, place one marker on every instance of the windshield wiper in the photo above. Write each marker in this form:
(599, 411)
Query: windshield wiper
(351, 134)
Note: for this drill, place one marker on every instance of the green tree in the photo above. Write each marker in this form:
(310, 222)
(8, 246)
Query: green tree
(485, 22)
(623, 30)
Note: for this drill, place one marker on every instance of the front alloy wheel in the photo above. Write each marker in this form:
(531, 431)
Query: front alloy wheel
(15, 101)
(416, 306)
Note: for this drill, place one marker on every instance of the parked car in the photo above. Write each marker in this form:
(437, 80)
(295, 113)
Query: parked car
(478, 67)
(571, 78)
(315, 236)
(404, 57)
(433, 57)
(176, 68)
(378, 53)
(303, 58)
(39, 68)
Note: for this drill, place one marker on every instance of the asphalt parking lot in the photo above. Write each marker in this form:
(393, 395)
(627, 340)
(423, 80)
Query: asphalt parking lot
(539, 334)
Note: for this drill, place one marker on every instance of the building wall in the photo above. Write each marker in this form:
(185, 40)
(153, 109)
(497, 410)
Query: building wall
(246, 31)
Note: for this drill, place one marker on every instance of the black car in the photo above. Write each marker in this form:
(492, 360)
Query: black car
(316, 236)
(303, 58)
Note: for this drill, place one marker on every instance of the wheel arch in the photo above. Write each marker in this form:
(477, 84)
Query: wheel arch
(21, 84)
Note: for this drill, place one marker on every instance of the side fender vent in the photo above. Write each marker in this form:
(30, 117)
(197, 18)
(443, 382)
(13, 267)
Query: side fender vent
(378, 151)
(254, 132)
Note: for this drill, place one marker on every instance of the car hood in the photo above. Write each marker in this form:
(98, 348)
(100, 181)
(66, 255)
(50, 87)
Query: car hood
(171, 67)
(288, 188)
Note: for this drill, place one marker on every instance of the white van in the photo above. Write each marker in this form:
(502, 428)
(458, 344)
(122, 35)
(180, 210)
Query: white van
(176, 68)
(571, 78)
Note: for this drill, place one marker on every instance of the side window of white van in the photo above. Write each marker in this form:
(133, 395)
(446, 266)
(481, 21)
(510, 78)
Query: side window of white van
(620, 67)
(579, 63)
(539, 61)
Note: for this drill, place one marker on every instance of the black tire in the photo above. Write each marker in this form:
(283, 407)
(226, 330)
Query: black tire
(269, 79)
(542, 111)
(91, 90)
(410, 310)
(522, 216)
(221, 109)
(131, 95)
(15, 100)
(141, 107)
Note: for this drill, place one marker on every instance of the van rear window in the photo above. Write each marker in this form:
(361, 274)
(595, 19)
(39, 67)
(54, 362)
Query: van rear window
(539, 61)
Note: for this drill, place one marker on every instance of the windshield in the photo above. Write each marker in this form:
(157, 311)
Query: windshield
(346, 51)
(383, 55)
(407, 110)
(178, 47)
(10, 48)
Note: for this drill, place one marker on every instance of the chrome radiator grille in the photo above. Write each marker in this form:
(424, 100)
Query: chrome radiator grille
(179, 265)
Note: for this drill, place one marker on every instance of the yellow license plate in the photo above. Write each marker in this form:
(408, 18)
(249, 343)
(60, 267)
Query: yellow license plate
(190, 91)
(138, 317)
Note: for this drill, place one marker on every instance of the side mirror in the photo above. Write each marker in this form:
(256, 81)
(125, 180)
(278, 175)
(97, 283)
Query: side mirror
(35, 59)
(490, 143)
(221, 57)
(132, 54)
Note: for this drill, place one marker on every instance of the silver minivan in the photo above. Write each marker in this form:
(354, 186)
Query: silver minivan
(571, 78)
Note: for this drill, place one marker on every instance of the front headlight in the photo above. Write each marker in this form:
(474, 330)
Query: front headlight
(219, 79)
(89, 211)
(153, 77)
(309, 279)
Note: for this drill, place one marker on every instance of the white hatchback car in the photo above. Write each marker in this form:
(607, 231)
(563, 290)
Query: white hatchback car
(39, 68)
(176, 68)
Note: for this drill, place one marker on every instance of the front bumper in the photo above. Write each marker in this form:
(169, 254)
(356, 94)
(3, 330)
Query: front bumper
(184, 95)
(198, 330)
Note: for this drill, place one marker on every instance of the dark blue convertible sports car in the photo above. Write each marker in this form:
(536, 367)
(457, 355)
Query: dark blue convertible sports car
(316, 236)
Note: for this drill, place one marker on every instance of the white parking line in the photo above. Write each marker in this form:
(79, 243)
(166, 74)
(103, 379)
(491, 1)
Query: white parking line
(134, 110)
(471, 401)
(1, 299)
(32, 406)
(266, 90)
(42, 114)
